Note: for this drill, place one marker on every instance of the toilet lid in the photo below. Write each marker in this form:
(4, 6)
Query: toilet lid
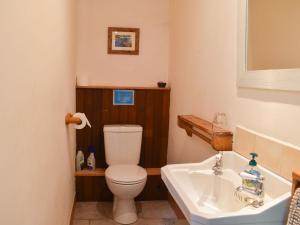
(126, 174)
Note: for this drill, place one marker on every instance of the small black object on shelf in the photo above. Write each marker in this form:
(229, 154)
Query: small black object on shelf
(161, 84)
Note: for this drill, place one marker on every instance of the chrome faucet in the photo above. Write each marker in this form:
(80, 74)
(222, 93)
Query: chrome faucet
(217, 168)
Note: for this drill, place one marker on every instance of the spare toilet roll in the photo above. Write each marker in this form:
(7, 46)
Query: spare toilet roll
(84, 121)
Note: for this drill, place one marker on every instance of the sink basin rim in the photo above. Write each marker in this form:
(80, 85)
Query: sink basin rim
(188, 207)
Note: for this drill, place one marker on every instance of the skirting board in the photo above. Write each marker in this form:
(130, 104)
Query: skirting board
(73, 210)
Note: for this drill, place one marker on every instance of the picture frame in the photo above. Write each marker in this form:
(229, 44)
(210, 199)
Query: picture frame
(124, 41)
(123, 97)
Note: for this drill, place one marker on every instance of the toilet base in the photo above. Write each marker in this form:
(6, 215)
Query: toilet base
(124, 211)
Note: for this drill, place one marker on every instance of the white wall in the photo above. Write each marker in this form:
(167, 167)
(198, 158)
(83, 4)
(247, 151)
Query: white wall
(203, 62)
(37, 90)
(96, 67)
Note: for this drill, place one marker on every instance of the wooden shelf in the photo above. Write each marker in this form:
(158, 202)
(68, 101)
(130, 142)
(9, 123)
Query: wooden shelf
(153, 171)
(100, 172)
(296, 181)
(124, 88)
(219, 138)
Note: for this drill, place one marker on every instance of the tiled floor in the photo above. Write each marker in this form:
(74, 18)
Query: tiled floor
(149, 213)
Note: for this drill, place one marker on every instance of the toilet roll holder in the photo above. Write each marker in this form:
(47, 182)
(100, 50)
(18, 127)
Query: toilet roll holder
(70, 119)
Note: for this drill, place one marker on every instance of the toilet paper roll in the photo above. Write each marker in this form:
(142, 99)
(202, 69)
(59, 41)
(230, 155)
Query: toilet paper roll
(84, 121)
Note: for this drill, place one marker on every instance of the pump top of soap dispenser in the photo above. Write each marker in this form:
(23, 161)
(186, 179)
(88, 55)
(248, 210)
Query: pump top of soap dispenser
(252, 167)
(253, 162)
(91, 149)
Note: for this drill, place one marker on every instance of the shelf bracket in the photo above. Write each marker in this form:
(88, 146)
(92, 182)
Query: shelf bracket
(219, 138)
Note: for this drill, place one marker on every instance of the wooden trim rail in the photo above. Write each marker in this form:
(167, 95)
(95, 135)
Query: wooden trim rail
(100, 172)
(122, 88)
(296, 181)
(70, 119)
(219, 138)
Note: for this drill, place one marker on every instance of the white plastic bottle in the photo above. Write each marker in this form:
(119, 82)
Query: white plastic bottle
(79, 160)
(91, 161)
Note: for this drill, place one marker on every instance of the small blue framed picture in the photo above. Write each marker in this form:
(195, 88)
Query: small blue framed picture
(123, 97)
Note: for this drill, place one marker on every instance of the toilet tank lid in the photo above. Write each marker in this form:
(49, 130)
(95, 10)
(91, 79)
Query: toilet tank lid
(122, 128)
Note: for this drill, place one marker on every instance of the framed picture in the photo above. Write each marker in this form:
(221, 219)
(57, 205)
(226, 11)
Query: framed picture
(123, 40)
(123, 97)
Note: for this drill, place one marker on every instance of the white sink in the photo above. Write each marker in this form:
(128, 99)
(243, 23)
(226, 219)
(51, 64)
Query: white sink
(207, 199)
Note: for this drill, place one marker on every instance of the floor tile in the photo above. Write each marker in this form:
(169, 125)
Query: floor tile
(103, 222)
(169, 221)
(138, 206)
(157, 210)
(93, 210)
(139, 222)
(153, 222)
(81, 222)
(149, 213)
(181, 222)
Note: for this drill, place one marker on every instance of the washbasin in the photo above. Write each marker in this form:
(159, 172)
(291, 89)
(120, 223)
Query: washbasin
(215, 192)
(209, 199)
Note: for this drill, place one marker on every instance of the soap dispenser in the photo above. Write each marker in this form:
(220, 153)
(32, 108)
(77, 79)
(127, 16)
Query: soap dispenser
(252, 178)
(252, 166)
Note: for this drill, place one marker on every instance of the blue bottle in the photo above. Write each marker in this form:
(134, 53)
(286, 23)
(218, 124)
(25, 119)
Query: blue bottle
(91, 161)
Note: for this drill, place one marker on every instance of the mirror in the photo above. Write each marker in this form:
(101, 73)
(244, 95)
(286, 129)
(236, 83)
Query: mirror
(273, 40)
(269, 44)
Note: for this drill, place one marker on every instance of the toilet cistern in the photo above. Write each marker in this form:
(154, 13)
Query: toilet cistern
(124, 177)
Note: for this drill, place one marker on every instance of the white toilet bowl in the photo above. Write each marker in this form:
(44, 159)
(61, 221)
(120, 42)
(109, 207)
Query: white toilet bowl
(125, 182)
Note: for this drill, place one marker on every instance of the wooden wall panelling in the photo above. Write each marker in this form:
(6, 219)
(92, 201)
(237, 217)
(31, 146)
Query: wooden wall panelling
(155, 189)
(91, 186)
(95, 189)
(151, 111)
(165, 129)
(92, 189)
(148, 131)
(90, 102)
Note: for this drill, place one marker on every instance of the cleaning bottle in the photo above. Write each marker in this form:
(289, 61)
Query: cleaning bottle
(79, 160)
(91, 161)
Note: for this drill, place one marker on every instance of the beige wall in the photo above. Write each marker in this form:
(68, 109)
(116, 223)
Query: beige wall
(96, 67)
(273, 34)
(37, 90)
(203, 72)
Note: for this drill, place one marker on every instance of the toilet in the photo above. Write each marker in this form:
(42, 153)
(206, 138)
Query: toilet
(124, 177)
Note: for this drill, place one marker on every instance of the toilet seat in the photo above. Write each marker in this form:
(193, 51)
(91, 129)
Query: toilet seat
(126, 174)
